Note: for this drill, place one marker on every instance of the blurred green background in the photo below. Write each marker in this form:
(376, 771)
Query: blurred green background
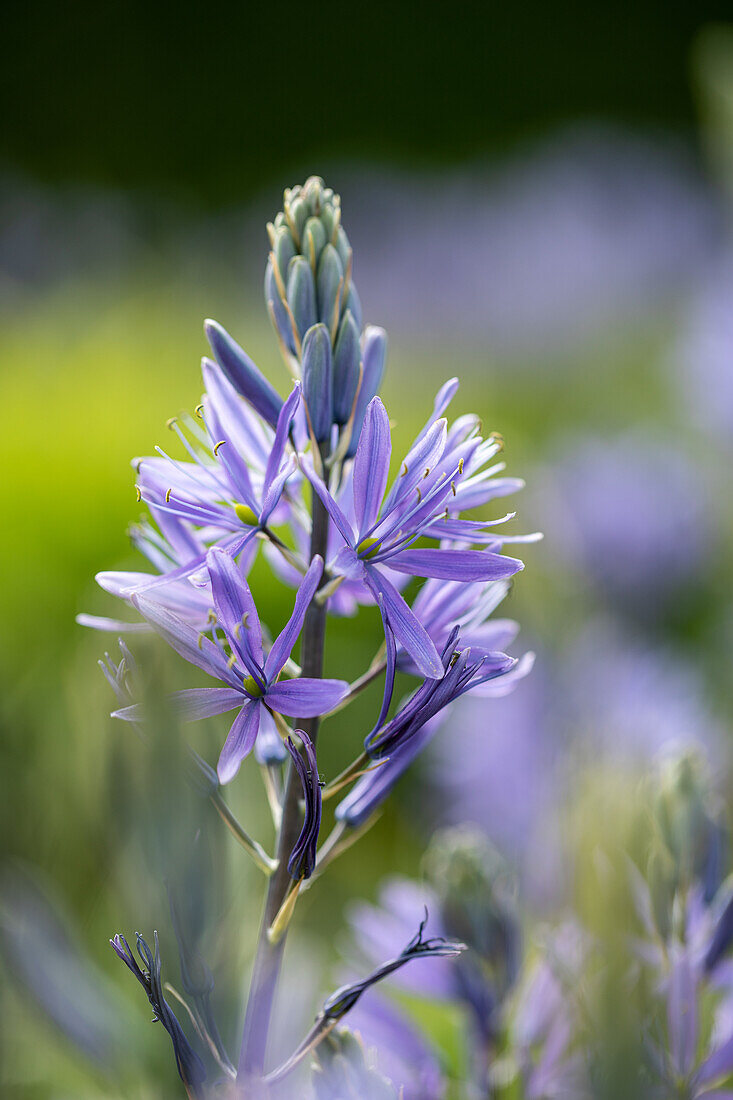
(142, 150)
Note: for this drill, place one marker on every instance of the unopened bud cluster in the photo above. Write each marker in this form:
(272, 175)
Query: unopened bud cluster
(316, 312)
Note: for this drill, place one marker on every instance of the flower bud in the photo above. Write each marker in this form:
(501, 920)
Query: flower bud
(477, 896)
(346, 362)
(279, 314)
(242, 373)
(373, 355)
(301, 293)
(330, 284)
(318, 381)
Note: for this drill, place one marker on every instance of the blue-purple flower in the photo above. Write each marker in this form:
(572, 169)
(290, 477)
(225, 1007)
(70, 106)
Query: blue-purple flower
(237, 473)
(254, 687)
(443, 473)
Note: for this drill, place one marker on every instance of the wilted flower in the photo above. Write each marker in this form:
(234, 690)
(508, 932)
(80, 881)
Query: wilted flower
(189, 1064)
(302, 859)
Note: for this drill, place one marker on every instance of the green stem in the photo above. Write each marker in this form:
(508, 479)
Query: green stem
(269, 955)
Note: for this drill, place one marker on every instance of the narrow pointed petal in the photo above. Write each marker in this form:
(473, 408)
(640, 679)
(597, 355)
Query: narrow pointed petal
(236, 609)
(284, 422)
(283, 645)
(407, 628)
(371, 465)
(306, 698)
(112, 626)
(246, 378)
(269, 746)
(239, 742)
(420, 461)
(330, 504)
(191, 704)
(192, 646)
(274, 490)
(373, 356)
(460, 565)
(389, 677)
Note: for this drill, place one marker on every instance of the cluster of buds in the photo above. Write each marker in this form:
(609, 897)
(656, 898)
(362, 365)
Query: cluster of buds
(316, 313)
(688, 838)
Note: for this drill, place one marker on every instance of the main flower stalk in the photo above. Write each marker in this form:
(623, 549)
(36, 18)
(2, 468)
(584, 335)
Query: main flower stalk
(269, 955)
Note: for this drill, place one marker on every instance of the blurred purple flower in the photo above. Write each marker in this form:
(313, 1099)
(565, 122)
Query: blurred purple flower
(632, 514)
(591, 228)
(626, 701)
(398, 1049)
(704, 353)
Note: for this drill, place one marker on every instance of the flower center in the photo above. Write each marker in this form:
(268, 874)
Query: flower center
(252, 688)
(245, 513)
(367, 548)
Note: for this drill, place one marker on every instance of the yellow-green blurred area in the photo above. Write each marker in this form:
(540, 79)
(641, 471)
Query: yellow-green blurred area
(571, 325)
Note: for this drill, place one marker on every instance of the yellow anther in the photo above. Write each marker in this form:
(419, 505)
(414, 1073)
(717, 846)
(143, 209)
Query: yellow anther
(138, 464)
(453, 487)
(232, 660)
(199, 411)
(211, 616)
(245, 620)
(427, 472)
(404, 470)
(498, 438)
(201, 640)
(138, 494)
(168, 495)
(170, 422)
(217, 446)
(419, 494)
(460, 465)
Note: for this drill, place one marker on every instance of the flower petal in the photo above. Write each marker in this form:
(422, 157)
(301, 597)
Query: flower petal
(305, 697)
(284, 422)
(193, 703)
(329, 504)
(371, 465)
(407, 628)
(192, 646)
(283, 644)
(236, 609)
(269, 746)
(239, 742)
(460, 565)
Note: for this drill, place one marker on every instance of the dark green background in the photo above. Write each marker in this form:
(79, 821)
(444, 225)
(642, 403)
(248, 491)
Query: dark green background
(214, 101)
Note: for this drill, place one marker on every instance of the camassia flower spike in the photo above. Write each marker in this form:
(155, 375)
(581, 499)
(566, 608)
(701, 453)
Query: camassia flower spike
(253, 684)
(386, 527)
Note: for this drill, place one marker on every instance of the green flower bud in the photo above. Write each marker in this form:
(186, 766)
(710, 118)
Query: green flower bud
(346, 362)
(301, 293)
